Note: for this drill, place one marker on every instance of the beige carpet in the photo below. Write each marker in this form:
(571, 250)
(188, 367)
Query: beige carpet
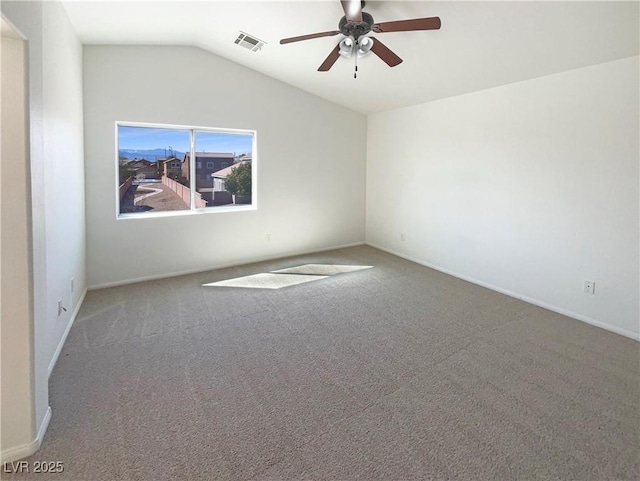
(392, 373)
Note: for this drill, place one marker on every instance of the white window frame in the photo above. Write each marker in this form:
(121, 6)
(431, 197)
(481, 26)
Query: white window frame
(193, 210)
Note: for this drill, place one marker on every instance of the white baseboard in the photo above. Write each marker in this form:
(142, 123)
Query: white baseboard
(221, 266)
(530, 300)
(72, 319)
(21, 452)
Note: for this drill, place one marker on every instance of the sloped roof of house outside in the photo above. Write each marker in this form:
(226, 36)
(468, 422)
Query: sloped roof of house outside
(223, 173)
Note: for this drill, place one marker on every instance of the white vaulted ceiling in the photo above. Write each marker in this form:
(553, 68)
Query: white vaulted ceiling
(480, 45)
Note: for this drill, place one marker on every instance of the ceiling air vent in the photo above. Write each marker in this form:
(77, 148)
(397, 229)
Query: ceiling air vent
(247, 41)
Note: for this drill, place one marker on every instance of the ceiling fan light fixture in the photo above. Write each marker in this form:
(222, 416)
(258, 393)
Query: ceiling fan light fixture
(346, 46)
(365, 44)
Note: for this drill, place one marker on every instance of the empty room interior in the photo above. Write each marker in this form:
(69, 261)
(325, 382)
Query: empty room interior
(305, 240)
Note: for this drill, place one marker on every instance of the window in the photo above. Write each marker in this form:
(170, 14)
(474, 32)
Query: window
(145, 187)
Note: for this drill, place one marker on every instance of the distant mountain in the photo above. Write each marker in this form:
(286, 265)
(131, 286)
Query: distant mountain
(149, 154)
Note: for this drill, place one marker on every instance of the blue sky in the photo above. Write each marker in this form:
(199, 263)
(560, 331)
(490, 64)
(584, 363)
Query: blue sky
(143, 138)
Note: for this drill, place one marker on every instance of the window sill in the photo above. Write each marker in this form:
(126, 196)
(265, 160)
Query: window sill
(181, 213)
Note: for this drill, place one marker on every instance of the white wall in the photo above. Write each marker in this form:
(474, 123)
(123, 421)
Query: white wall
(531, 188)
(57, 190)
(63, 169)
(310, 163)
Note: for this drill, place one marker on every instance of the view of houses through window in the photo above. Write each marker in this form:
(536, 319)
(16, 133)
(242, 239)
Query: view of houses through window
(156, 171)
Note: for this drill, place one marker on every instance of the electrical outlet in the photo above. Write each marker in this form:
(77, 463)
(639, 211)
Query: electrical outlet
(73, 286)
(268, 237)
(402, 237)
(590, 287)
(60, 308)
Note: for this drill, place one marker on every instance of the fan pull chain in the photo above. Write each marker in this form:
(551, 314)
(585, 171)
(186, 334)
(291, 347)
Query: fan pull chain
(355, 72)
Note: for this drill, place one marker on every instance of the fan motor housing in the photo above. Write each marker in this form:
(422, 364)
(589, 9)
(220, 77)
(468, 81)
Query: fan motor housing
(356, 30)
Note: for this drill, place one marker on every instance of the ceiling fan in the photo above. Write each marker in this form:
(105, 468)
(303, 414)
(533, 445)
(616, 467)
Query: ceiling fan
(355, 25)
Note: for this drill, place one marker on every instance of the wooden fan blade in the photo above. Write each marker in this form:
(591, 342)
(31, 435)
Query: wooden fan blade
(387, 56)
(309, 37)
(431, 23)
(330, 60)
(352, 10)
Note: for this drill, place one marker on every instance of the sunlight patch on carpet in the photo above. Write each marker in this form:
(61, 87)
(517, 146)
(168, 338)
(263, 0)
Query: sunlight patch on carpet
(321, 269)
(290, 276)
(266, 281)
